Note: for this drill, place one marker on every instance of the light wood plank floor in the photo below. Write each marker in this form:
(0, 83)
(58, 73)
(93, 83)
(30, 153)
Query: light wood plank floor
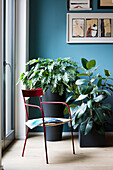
(60, 156)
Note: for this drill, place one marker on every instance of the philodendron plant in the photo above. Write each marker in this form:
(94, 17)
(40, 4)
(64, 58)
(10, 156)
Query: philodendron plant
(45, 73)
(87, 107)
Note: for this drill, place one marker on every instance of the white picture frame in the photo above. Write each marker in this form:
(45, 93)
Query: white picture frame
(78, 5)
(101, 28)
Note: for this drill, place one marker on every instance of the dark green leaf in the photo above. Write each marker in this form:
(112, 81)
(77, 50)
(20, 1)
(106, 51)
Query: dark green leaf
(86, 126)
(84, 63)
(85, 89)
(99, 82)
(107, 107)
(107, 73)
(81, 110)
(99, 113)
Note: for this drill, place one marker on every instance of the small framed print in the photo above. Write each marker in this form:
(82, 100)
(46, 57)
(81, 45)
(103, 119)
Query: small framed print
(92, 27)
(89, 28)
(78, 26)
(105, 26)
(105, 4)
(74, 5)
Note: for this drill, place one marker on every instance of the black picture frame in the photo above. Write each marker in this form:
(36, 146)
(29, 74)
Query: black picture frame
(103, 7)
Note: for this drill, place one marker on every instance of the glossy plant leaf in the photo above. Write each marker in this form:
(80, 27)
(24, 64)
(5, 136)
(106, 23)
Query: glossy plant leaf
(85, 89)
(99, 82)
(80, 81)
(81, 97)
(81, 110)
(84, 62)
(99, 113)
(99, 98)
(107, 73)
(86, 126)
(90, 104)
(91, 64)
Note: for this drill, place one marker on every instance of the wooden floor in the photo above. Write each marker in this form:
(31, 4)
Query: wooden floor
(60, 156)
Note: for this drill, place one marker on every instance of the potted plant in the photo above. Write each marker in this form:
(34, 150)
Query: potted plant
(51, 75)
(90, 110)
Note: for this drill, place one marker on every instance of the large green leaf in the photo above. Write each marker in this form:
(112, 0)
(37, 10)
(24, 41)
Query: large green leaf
(84, 62)
(91, 64)
(107, 73)
(85, 89)
(90, 104)
(81, 97)
(99, 82)
(107, 107)
(86, 126)
(99, 98)
(80, 81)
(81, 110)
(107, 92)
(100, 115)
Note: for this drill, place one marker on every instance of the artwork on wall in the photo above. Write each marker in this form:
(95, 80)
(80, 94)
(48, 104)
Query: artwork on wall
(89, 28)
(105, 4)
(74, 5)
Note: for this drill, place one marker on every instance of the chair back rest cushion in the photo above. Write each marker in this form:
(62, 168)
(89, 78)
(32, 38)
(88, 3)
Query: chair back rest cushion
(32, 93)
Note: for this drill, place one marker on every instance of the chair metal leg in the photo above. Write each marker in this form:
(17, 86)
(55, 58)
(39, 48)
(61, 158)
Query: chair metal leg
(25, 142)
(72, 139)
(45, 144)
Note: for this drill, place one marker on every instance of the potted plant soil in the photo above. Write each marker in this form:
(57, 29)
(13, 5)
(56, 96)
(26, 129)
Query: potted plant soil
(51, 75)
(90, 111)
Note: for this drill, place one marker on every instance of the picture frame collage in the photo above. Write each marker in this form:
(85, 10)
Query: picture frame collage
(89, 28)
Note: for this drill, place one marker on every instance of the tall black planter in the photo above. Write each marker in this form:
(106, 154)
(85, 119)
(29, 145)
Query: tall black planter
(93, 139)
(54, 133)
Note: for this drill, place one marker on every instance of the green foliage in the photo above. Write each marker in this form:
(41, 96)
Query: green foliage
(89, 93)
(43, 73)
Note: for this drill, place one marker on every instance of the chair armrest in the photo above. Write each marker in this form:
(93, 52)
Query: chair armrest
(31, 105)
(59, 103)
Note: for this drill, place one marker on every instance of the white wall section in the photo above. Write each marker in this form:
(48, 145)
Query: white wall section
(22, 50)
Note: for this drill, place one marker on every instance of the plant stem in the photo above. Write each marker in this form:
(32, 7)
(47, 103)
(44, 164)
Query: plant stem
(91, 111)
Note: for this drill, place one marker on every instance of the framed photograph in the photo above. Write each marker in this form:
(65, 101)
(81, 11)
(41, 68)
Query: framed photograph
(78, 26)
(74, 5)
(105, 4)
(89, 28)
(105, 25)
(92, 27)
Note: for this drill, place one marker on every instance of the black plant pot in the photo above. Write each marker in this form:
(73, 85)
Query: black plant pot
(53, 133)
(93, 139)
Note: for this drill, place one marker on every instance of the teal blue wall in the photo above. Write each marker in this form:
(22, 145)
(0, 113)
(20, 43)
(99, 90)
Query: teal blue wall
(48, 36)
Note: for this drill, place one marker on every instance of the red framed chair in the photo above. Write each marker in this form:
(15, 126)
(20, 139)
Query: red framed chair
(39, 93)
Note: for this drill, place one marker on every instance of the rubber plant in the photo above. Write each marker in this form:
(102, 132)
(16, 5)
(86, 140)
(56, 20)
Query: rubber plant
(88, 108)
(45, 73)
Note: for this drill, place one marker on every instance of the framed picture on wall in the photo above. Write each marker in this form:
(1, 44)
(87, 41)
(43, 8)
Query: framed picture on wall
(74, 5)
(89, 28)
(105, 4)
